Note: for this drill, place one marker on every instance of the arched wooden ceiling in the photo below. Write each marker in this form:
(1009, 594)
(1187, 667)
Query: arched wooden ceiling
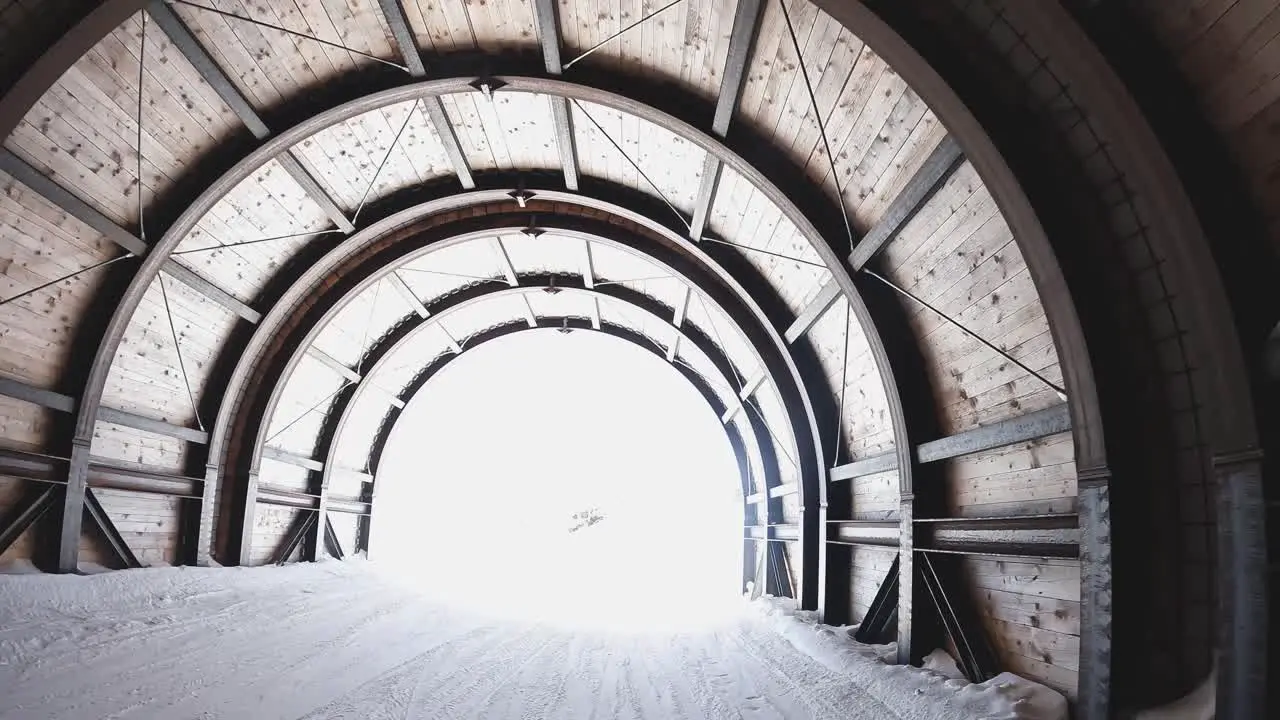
(237, 157)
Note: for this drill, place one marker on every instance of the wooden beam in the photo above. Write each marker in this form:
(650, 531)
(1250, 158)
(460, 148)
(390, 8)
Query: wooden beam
(1014, 430)
(449, 140)
(69, 202)
(194, 52)
(504, 260)
(746, 26)
(291, 458)
(193, 280)
(409, 296)
(146, 424)
(333, 364)
(529, 315)
(393, 11)
(565, 142)
(187, 44)
(942, 162)
(19, 390)
(313, 190)
(548, 24)
(595, 313)
(25, 516)
(114, 539)
(682, 308)
(707, 188)
(812, 312)
(588, 266)
(865, 466)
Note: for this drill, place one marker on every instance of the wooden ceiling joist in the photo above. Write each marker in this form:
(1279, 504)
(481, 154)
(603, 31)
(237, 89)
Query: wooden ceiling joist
(547, 20)
(825, 298)
(449, 140)
(746, 26)
(393, 11)
(69, 202)
(11, 387)
(942, 162)
(195, 53)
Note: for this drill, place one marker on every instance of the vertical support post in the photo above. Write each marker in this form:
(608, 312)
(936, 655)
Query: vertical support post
(247, 517)
(1242, 568)
(1094, 509)
(906, 573)
(68, 557)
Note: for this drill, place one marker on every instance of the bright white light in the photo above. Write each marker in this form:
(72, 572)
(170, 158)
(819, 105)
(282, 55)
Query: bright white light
(488, 465)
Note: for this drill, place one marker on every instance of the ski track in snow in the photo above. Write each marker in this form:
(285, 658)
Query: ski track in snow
(342, 640)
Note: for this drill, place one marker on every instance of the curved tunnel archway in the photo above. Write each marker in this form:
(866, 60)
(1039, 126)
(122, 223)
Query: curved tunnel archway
(768, 223)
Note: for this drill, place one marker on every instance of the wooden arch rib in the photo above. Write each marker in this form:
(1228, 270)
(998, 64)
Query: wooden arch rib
(371, 255)
(159, 253)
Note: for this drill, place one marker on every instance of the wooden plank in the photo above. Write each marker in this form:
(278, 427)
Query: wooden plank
(1027, 427)
(942, 162)
(185, 41)
(396, 18)
(191, 279)
(21, 171)
(812, 312)
(449, 139)
(19, 390)
(290, 458)
(866, 466)
(159, 427)
(334, 364)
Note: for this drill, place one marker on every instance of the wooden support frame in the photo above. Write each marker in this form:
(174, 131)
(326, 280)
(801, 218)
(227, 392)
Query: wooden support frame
(301, 525)
(742, 38)
(119, 547)
(190, 48)
(25, 515)
(945, 159)
(331, 542)
(393, 11)
(449, 140)
(547, 20)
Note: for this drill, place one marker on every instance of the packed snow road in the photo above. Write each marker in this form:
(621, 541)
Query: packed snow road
(341, 640)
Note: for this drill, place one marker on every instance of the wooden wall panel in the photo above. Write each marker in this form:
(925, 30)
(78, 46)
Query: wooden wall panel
(13, 491)
(875, 497)
(268, 204)
(685, 45)
(271, 524)
(150, 524)
(23, 425)
(42, 244)
(1030, 610)
(117, 442)
(866, 424)
(671, 164)
(513, 131)
(270, 66)
(83, 132)
(1030, 478)
(878, 129)
(869, 566)
(345, 158)
(958, 254)
(146, 375)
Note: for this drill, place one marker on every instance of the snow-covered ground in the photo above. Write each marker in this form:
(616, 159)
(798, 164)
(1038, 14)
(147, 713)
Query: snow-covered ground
(345, 640)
